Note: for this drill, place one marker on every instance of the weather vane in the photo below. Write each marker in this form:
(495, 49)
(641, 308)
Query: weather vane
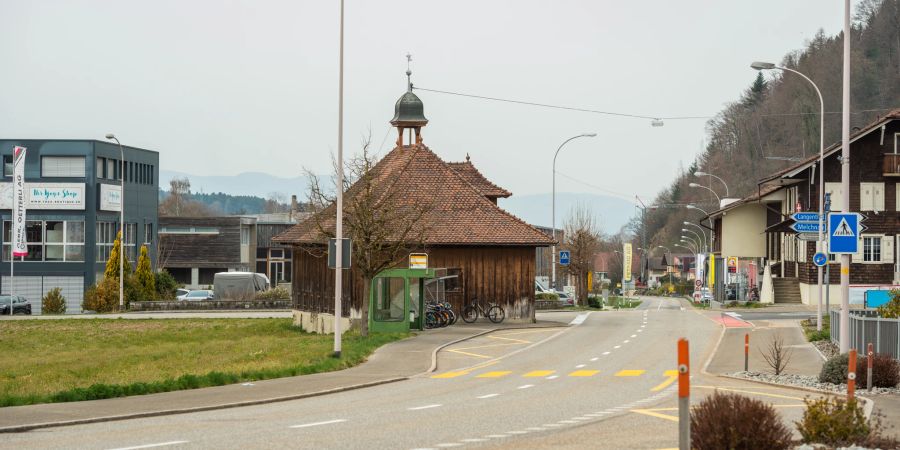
(408, 72)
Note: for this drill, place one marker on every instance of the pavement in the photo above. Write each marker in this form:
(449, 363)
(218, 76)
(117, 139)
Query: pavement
(574, 380)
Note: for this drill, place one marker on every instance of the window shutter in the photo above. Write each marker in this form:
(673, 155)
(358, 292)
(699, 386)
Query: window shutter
(887, 249)
(858, 256)
(866, 197)
(878, 196)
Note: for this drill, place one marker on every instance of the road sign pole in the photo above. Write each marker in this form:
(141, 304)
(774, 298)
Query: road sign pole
(684, 396)
(845, 180)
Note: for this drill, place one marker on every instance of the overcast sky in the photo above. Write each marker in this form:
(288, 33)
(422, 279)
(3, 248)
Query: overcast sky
(227, 87)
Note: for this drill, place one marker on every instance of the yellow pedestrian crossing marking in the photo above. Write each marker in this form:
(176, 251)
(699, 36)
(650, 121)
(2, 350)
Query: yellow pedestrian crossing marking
(584, 373)
(449, 374)
(630, 373)
(539, 373)
(495, 374)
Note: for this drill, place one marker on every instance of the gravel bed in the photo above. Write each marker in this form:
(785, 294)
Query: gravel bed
(827, 348)
(807, 381)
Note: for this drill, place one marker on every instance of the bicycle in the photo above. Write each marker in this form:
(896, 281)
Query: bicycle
(494, 312)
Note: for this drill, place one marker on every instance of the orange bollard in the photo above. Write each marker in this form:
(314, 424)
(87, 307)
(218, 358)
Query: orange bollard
(747, 352)
(684, 395)
(870, 356)
(851, 375)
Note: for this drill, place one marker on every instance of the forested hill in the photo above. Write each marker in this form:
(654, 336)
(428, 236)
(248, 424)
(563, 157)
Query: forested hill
(777, 119)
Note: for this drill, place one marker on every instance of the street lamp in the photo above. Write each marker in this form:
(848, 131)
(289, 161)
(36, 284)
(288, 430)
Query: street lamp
(702, 230)
(691, 244)
(113, 137)
(701, 239)
(553, 213)
(695, 185)
(705, 174)
(692, 241)
(711, 235)
(820, 246)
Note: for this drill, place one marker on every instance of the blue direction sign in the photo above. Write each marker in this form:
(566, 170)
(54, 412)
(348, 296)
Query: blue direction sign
(805, 217)
(820, 259)
(805, 227)
(564, 257)
(843, 233)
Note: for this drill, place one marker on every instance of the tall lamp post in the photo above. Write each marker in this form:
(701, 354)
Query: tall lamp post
(701, 239)
(820, 245)
(553, 212)
(706, 174)
(692, 241)
(113, 137)
(718, 199)
(702, 231)
(339, 219)
(711, 235)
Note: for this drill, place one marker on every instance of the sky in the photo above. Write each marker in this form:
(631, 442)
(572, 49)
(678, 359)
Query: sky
(224, 87)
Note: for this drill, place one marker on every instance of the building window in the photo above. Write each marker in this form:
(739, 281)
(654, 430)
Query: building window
(871, 196)
(872, 249)
(148, 234)
(51, 240)
(276, 253)
(245, 236)
(106, 235)
(169, 229)
(130, 235)
(62, 166)
(7, 165)
(101, 168)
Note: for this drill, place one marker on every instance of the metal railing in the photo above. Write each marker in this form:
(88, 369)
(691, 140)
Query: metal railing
(866, 327)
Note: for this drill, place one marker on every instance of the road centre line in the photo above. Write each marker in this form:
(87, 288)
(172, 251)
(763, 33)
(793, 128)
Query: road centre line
(553, 377)
(449, 444)
(315, 424)
(579, 366)
(473, 440)
(605, 353)
(634, 335)
(488, 396)
(497, 436)
(618, 346)
(594, 358)
(626, 341)
(525, 386)
(417, 408)
(160, 444)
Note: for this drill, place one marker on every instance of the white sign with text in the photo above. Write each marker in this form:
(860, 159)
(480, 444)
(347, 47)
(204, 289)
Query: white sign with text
(46, 196)
(110, 197)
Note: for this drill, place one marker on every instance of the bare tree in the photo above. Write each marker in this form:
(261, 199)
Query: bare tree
(178, 203)
(582, 240)
(381, 222)
(777, 355)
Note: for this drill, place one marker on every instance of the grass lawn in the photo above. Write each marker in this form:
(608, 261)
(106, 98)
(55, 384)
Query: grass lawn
(70, 360)
(812, 334)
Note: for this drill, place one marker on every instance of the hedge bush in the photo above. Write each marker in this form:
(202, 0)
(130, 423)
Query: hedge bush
(547, 296)
(165, 285)
(733, 421)
(103, 296)
(276, 293)
(834, 370)
(53, 302)
(885, 371)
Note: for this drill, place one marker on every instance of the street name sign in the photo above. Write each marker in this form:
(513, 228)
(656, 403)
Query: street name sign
(805, 227)
(843, 233)
(820, 259)
(805, 217)
(808, 237)
(564, 257)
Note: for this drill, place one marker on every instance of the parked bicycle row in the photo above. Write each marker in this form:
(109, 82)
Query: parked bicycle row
(441, 314)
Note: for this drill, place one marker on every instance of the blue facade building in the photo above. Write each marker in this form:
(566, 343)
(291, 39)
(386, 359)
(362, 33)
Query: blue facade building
(73, 200)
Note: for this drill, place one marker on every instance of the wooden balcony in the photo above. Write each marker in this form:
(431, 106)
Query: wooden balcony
(891, 167)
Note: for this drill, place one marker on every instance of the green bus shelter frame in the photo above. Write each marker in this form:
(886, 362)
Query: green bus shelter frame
(414, 317)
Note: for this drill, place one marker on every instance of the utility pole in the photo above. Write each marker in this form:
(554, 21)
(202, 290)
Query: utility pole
(845, 183)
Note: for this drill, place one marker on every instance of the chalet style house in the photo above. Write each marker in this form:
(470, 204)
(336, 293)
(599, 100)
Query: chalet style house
(757, 228)
(488, 252)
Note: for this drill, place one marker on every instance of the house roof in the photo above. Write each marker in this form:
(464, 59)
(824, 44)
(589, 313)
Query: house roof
(763, 191)
(457, 213)
(471, 174)
(797, 168)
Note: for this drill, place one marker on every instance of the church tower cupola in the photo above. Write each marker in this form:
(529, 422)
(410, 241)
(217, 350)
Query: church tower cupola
(409, 112)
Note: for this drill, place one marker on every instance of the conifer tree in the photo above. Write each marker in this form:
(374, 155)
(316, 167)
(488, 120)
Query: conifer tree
(144, 274)
(112, 264)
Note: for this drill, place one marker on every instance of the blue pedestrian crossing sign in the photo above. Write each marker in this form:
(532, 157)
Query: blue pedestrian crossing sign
(843, 233)
(564, 257)
(820, 259)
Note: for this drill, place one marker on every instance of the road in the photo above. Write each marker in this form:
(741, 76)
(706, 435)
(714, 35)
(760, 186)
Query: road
(606, 381)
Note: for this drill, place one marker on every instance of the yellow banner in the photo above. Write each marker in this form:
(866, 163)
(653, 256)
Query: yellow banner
(711, 280)
(590, 281)
(626, 262)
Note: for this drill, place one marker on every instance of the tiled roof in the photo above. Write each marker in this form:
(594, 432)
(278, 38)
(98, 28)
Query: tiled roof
(469, 173)
(457, 212)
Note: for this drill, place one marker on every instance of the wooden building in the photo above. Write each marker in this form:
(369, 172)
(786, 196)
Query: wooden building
(194, 249)
(491, 252)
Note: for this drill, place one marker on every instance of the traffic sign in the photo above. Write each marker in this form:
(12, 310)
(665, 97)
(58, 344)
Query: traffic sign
(698, 283)
(820, 259)
(843, 233)
(805, 227)
(808, 236)
(805, 217)
(564, 257)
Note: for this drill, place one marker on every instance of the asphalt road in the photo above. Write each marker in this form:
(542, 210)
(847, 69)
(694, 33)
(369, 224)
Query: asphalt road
(606, 381)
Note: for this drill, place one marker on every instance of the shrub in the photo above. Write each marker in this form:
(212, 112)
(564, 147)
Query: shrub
(103, 296)
(818, 335)
(834, 370)
(165, 285)
(143, 275)
(546, 296)
(595, 302)
(776, 355)
(732, 304)
(276, 293)
(885, 371)
(834, 421)
(53, 302)
(733, 421)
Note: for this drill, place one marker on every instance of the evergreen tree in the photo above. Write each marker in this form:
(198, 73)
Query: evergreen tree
(144, 275)
(112, 264)
(757, 90)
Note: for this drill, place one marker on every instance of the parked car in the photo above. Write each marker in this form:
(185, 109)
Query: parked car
(200, 294)
(565, 298)
(20, 305)
(180, 294)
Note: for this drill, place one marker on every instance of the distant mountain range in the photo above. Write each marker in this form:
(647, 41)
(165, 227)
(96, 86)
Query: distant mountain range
(612, 212)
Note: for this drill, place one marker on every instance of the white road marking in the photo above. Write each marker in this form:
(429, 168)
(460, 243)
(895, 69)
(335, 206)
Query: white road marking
(580, 418)
(517, 432)
(497, 436)
(634, 335)
(660, 305)
(416, 408)
(526, 386)
(605, 353)
(536, 428)
(488, 395)
(580, 365)
(160, 444)
(567, 421)
(474, 440)
(247, 384)
(552, 377)
(578, 320)
(618, 346)
(449, 444)
(551, 425)
(315, 424)
(594, 358)
(625, 341)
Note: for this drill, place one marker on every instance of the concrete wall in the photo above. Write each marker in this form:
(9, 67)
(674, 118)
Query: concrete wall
(743, 234)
